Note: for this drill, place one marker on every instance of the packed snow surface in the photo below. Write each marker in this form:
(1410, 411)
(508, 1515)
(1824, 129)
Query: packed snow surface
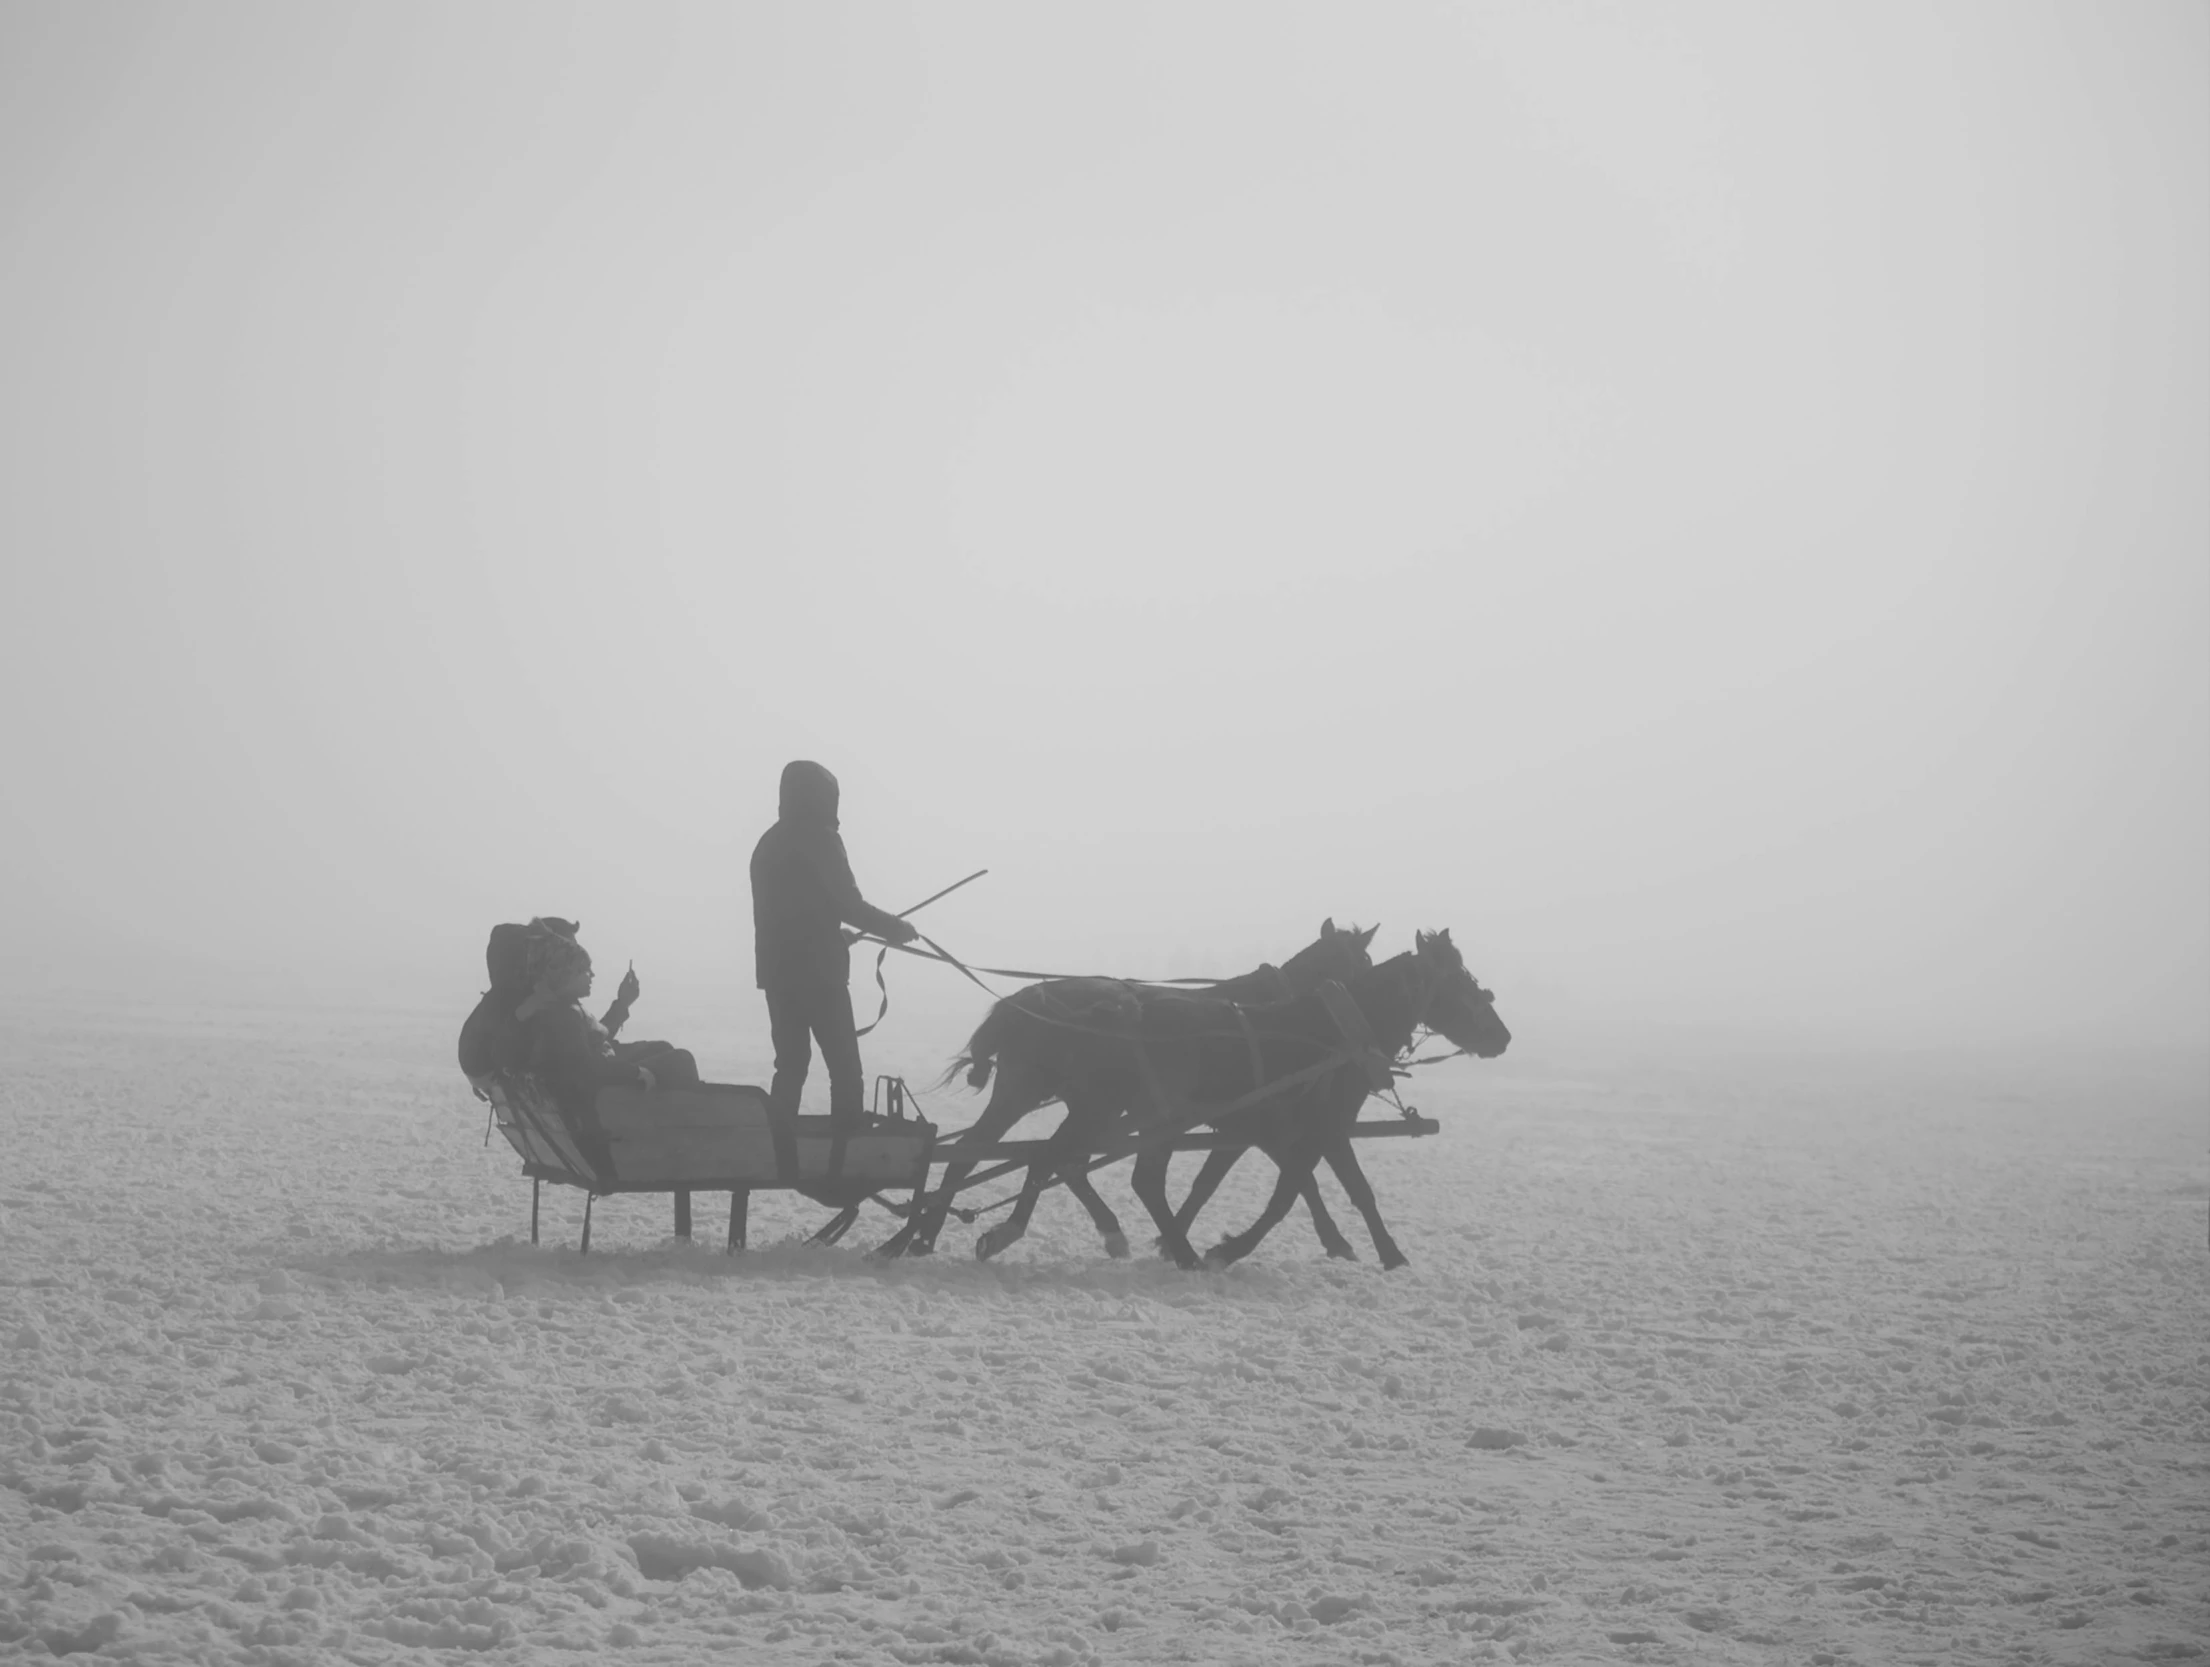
(1760, 1360)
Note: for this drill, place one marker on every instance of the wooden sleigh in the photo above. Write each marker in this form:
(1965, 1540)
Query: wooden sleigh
(722, 1138)
(713, 1138)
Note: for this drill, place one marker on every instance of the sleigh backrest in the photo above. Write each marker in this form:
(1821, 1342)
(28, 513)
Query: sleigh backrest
(536, 1127)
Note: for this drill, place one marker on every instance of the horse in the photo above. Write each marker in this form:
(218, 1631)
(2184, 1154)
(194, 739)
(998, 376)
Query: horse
(1067, 1039)
(1318, 1127)
(1186, 1053)
(1275, 1136)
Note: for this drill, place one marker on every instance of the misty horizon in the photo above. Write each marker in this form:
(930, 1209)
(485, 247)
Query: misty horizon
(1711, 506)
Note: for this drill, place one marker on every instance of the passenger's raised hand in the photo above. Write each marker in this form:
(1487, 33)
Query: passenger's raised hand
(626, 991)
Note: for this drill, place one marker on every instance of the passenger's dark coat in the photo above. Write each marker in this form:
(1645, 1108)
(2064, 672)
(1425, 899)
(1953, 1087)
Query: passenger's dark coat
(573, 1058)
(493, 1039)
(802, 888)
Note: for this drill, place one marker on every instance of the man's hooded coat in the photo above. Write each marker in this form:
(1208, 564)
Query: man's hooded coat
(802, 888)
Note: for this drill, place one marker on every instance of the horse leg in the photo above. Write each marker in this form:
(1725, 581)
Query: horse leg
(1215, 1169)
(899, 1242)
(918, 1236)
(1149, 1182)
(1287, 1186)
(1101, 1213)
(1148, 1176)
(1331, 1236)
(1014, 1098)
(1064, 1152)
(1344, 1161)
(1007, 1232)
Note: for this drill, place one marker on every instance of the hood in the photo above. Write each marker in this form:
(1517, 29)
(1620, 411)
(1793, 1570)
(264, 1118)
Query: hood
(507, 956)
(808, 793)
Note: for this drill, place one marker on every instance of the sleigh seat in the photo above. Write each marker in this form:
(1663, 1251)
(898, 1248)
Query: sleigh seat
(713, 1138)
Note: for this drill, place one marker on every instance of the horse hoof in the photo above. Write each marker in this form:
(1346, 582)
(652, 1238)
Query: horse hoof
(990, 1244)
(1344, 1253)
(1395, 1260)
(921, 1247)
(1116, 1246)
(1216, 1258)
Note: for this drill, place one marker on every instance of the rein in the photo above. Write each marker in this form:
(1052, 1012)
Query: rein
(942, 954)
(1411, 1065)
(937, 952)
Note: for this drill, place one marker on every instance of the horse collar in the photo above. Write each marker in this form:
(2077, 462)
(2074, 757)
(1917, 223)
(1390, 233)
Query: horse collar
(1356, 1032)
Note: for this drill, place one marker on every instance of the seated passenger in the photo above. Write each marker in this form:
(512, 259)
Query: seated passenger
(575, 1055)
(493, 1038)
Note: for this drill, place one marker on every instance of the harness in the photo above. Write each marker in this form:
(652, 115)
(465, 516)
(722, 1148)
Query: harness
(1358, 1036)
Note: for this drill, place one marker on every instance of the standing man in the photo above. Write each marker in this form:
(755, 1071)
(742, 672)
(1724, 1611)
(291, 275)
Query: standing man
(803, 895)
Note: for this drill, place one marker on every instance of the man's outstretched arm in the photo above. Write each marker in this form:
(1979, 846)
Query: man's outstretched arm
(835, 871)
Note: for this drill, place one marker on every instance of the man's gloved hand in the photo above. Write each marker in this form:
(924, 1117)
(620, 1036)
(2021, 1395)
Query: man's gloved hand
(902, 931)
(645, 1078)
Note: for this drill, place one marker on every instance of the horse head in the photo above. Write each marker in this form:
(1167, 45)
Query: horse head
(1455, 1006)
(1339, 953)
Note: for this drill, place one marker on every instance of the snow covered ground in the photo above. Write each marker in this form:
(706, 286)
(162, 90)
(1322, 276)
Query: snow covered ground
(1761, 1360)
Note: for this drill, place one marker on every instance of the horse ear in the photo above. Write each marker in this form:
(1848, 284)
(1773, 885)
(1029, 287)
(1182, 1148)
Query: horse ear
(1367, 937)
(1327, 927)
(1421, 941)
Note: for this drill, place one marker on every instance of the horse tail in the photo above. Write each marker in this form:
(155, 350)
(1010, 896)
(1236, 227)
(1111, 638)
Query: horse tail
(982, 1051)
(977, 1069)
(960, 1062)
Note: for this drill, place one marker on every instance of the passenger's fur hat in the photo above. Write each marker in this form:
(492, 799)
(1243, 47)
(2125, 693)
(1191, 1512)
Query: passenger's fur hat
(507, 956)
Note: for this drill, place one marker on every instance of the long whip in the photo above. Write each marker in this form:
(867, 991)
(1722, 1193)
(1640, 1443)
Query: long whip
(946, 892)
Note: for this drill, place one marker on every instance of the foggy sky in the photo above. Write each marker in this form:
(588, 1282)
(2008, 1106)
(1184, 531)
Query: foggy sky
(1711, 503)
